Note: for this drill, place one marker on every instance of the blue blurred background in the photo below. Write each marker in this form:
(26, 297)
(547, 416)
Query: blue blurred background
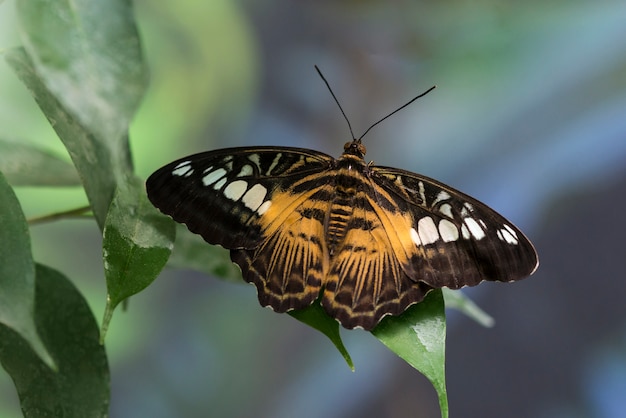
(529, 116)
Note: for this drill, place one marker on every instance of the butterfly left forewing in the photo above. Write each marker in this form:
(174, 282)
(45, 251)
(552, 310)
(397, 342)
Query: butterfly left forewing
(223, 195)
(258, 203)
(456, 240)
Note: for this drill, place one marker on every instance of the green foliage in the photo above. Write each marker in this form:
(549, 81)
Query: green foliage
(27, 165)
(88, 84)
(418, 336)
(136, 243)
(17, 272)
(79, 386)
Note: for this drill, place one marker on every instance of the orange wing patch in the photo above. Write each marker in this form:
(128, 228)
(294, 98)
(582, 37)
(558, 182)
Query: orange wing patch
(289, 266)
(367, 278)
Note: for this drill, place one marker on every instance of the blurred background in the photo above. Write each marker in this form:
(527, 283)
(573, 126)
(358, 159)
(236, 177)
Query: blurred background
(529, 116)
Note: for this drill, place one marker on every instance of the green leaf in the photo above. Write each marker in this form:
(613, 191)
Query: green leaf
(84, 68)
(91, 156)
(25, 164)
(17, 272)
(419, 337)
(316, 317)
(192, 252)
(88, 54)
(455, 299)
(137, 241)
(80, 387)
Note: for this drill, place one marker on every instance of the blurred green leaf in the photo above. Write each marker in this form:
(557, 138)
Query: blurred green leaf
(192, 252)
(88, 55)
(137, 241)
(455, 299)
(83, 65)
(419, 337)
(17, 272)
(80, 387)
(316, 317)
(25, 164)
(90, 155)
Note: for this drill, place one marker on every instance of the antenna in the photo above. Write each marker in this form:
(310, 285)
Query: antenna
(375, 123)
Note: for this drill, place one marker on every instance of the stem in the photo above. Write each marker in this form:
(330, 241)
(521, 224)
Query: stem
(72, 213)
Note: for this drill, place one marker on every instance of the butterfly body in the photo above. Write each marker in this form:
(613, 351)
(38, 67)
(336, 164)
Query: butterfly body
(369, 241)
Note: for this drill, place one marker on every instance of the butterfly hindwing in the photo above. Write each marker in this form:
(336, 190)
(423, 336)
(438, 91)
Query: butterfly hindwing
(368, 273)
(290, 265)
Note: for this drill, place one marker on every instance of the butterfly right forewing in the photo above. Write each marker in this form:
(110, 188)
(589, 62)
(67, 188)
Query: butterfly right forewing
(457, 240)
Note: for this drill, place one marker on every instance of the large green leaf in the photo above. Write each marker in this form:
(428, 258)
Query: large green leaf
(88, 54)
(419, 337)
(90, 155)
(82, 63)
(80, 386)
(17, 272)
(25, 164)
(137, 241)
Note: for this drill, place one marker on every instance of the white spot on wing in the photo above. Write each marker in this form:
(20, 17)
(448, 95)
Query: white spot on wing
(246, 170)
(213, 177)
(182, 164)
(427, 230)
(465, 232)
(422, 192)
(511, 230)
(255, 159)
(442, 195)
(274, 163)
(415, 237)
(182, 169)
(446, 209)
(264, 207)
(505, 235)
(236, 189)
(219, 184)
(254, 197)
(474, 228)
(467, 209)
(448, 231)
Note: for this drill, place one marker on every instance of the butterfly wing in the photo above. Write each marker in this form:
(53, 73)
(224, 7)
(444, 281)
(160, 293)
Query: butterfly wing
(456, 240)
(257, 203)
(223, 195)
(290, 265)
(405, 233)
(367, 277)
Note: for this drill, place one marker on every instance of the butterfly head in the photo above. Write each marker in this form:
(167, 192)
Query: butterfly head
(355, 147)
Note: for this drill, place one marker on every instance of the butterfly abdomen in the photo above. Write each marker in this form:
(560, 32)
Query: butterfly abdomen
(339, 216)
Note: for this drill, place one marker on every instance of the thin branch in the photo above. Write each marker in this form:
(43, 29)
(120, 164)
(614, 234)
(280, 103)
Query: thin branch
(72, 213)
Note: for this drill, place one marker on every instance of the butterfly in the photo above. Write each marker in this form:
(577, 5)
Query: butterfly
(367, 241)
